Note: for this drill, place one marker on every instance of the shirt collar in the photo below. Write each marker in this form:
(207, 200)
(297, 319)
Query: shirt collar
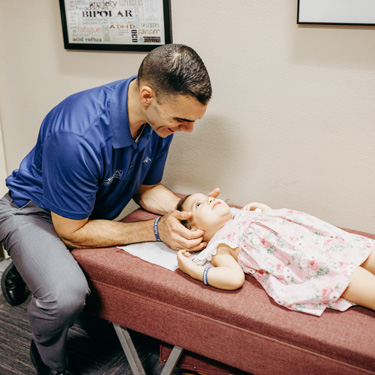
(143, 140)
(119, 115)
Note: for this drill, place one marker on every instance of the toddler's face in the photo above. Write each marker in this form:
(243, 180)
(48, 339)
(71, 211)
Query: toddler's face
(209, 214)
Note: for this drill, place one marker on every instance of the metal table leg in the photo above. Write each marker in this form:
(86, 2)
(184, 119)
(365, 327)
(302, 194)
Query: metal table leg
(133, 358)
(129, 349)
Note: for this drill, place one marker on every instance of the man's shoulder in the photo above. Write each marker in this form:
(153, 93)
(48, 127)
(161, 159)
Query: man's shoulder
(95, 97)
(78, 112)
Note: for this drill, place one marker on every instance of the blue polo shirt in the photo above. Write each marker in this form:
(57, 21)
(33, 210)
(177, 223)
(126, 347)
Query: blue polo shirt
(85, 162)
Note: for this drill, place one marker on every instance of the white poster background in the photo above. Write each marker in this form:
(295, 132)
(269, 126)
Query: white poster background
(337, 11)
(115, 22)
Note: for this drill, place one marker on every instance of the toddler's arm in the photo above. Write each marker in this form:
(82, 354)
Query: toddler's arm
(226, 273)
(255, 205)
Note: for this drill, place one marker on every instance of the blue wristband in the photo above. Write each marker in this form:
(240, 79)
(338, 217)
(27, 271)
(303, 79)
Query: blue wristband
(205, 272)
(156, 231)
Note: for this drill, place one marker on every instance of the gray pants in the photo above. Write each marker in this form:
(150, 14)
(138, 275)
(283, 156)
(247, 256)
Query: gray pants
(58, 285)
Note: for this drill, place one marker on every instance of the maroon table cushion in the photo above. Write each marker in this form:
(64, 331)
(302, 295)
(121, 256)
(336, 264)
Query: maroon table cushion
(244, 329)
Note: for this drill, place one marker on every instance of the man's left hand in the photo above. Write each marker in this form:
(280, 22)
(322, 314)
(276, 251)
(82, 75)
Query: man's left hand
(178, 237)
(214, 193)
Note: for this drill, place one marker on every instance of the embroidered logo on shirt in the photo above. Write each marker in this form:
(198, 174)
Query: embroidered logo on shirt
(118, 174)
(147, 160)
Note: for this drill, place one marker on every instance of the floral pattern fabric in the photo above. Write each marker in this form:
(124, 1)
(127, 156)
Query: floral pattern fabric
(302, 262)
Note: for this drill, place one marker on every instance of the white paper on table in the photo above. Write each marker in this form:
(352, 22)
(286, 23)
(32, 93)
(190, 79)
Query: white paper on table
(157, 252)
(154, 252)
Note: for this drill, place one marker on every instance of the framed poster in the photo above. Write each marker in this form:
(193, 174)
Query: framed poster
(118, 25)
(336, 12)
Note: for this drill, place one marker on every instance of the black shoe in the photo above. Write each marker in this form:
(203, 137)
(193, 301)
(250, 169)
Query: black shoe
(12, 286)
(98, 329)
(41, 368)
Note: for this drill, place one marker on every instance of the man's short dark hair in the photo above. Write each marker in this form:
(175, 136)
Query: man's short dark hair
(176, 69)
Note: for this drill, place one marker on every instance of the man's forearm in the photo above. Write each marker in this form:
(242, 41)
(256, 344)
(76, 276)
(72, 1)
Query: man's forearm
(107, 233)
(104, 233)
(157, 199)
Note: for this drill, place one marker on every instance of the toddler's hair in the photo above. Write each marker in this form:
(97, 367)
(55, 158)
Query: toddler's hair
(179, 207)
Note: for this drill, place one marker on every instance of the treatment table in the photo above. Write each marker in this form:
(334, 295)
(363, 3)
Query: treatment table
(216, 332)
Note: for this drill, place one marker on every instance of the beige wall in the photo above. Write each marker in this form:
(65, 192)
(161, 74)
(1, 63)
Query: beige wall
(291, 122)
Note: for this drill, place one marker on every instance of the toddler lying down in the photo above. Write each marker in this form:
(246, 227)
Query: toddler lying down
(302, 262)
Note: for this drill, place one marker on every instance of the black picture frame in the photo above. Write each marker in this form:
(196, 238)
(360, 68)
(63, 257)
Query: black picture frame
(325, 15)
(137, 42)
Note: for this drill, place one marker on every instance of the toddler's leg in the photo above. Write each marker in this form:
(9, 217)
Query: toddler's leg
(369, 263)
(361, 289)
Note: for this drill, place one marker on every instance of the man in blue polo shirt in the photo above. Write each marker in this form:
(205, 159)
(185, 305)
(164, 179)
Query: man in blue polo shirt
(96, 151)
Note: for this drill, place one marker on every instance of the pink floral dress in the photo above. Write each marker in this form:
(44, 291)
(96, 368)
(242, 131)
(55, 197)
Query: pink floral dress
(302, 262)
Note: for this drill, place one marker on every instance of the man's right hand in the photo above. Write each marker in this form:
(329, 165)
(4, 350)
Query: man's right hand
(178, 237)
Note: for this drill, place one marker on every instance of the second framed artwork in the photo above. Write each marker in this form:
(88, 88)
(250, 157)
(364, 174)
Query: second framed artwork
(118, 25)
(336, 12)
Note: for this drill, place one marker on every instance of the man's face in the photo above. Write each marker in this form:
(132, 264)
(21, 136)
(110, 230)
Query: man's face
(174, 113)
(209, 214)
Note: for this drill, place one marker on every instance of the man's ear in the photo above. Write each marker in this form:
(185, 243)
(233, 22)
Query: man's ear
(146, 95)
